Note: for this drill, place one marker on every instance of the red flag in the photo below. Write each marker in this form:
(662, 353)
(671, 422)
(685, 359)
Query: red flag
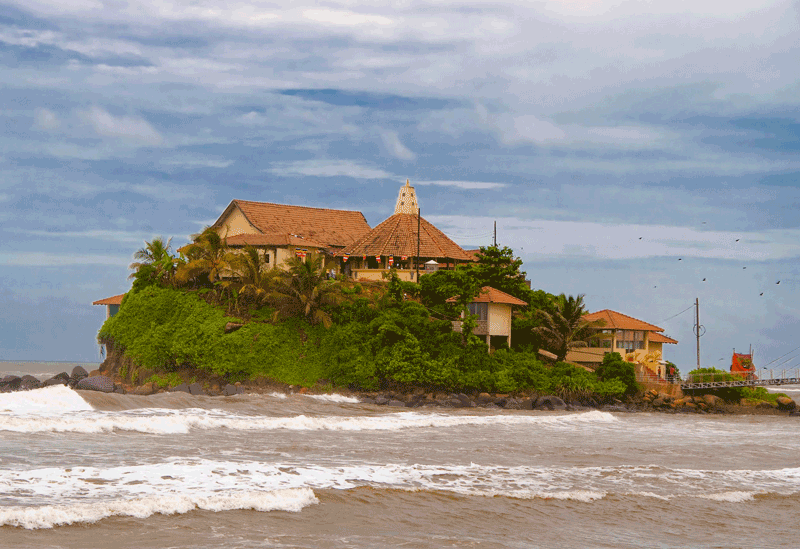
(391, 261)
(346, 257)
(378, 258)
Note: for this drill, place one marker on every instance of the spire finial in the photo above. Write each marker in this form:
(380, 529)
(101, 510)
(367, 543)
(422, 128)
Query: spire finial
(408, 183)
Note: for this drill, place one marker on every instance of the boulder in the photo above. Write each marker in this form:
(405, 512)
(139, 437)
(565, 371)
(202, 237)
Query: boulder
(96, 383)
(381, 400)
(146, 389)
(512, 404)
(367, 400)
(29, 382)
(711, 400)
(786, 403)
(230, 390)
(196, 389)
(10, 383)
(397, 403)
(550, 402)
(658, 402)
(527, 404)
(466, 402)
(58, 379)
(78, 373)
(119, 389)
(484, 398)
(182, 388)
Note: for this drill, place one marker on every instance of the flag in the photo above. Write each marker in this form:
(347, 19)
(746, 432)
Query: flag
(403, 257)
(346, 257)
(378, 258)
(391, 261)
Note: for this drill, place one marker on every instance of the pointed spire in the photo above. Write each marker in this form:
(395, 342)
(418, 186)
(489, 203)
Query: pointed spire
(407, 200)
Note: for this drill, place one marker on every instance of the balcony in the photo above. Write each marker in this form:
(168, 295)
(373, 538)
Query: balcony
(482, 327)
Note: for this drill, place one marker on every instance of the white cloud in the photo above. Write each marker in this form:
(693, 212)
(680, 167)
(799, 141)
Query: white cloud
(198, 162)
(126, 128)
(587, 240)
(395, 147)
(328, 168)
(469, 185)
(42, 259)
(96, 234)
(45, 119)
(345, 18)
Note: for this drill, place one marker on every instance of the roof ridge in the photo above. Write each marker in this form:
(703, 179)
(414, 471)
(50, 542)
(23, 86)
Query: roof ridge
(609, 312)
(296, 206)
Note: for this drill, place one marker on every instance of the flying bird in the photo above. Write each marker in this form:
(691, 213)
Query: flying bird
(737, 240)
(704, 280)
(680, 259)
(744, 267)
(762, 293)
(778, 282)
(640, 238)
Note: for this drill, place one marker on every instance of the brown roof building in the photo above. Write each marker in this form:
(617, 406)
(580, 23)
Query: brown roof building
(636, 340)
(333, 228)
(493, 310)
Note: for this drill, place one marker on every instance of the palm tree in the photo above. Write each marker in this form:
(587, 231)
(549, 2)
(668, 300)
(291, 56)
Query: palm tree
(207, 259)
(255, 274)
(563, 328)
(303, 289)
(156, 258)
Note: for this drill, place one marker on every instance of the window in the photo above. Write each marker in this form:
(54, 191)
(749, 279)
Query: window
(630, 340)
(602, 342)
(480, 309)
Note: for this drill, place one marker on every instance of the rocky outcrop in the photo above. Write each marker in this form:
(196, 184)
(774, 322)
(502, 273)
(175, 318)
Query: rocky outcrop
(786, 404)
(79, 373)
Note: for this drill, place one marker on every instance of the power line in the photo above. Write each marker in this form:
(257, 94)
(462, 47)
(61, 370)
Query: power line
(780, 357)
(680, 313)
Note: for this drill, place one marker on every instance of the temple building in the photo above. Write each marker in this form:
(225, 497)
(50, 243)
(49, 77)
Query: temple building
(405, 242)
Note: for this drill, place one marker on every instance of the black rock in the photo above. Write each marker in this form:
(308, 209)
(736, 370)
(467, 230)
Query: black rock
(97, 383)
(230, 390)
(367, 400)
(550, 403)
(29, 382)
(58, 379)
(381, 400)
(10, 383)
(183, 388)
(196, 389)
(527, 403)
(78, 373)
(119, 389)
(397, 403)
(466, 402)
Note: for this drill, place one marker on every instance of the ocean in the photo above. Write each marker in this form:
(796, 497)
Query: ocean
(86, 469)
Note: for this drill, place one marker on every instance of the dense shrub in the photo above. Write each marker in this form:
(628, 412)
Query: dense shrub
(615, 368)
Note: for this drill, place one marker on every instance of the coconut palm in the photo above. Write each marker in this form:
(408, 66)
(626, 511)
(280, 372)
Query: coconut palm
(208, 258)
(302, 289)
(154, 260)
(563, 327)
(254, 273)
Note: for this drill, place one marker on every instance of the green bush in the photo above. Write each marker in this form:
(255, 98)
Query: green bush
(614, 368)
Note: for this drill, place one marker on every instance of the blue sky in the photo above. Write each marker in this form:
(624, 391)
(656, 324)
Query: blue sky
(627, 150)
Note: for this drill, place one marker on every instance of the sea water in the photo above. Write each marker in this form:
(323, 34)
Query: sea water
(80, 469)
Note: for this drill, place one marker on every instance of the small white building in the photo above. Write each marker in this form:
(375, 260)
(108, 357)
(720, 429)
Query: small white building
(493, 309)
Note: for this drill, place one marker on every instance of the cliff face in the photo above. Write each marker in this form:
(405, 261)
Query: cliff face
(117, 366)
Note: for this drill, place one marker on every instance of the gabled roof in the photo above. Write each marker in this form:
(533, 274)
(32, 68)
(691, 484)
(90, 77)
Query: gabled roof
(330, 227)
(113, 300)
(655, 337)
(619, 321)
(272, 240)
(397, 236)
(493, 295)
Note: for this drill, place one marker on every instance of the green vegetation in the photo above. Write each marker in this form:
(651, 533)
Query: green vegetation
(752, 394)
(300, 328)
(615, 368)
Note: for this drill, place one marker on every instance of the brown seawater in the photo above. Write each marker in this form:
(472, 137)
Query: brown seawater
(80, 469)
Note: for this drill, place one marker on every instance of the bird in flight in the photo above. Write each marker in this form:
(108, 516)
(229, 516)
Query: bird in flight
(762, 293)
(704, 280)
(778, 282)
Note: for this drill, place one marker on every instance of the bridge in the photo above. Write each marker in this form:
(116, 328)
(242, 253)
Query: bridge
(768, 379)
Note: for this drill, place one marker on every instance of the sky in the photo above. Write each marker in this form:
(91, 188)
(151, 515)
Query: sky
(641, 153)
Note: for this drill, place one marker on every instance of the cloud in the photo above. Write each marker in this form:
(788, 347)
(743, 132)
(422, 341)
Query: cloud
(328, 168)
(126, 128)
(191, 162)
(587, 240)
(345, 18)
(96, 234)
(45, 119)
(469, 185)
(43, 259)
(395, 147)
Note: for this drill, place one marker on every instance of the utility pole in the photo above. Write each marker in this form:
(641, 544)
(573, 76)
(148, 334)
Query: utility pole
(697, 328)
(494, 239)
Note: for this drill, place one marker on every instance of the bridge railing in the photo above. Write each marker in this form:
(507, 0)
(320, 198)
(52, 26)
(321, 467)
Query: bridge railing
(761, 377)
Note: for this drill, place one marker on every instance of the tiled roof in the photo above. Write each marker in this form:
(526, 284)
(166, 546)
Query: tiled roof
(397, 236)
(331, 227)
(492, 295)
(655, 337)
(114, 300)
(613, 319)
(272, 240)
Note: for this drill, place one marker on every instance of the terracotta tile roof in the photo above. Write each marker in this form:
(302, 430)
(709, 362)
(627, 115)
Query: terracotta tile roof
(474, 253)
(620, 321)
(272, 240)
(331, 227)
(397, 236)
(114, 300)
(492, 295)
(655, 337)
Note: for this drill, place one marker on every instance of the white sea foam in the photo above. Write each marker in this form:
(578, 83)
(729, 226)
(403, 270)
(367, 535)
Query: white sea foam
(731, 497)
(278, 395)
(57, 399)
(167, 421)
(48, 516)
(335, 398)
